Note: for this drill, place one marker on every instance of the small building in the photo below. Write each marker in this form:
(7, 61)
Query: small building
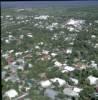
(68, 69)
(3, 74)
(45, 83)
(74, 80)
(92, 79)
(51, 93)
(57, 64)
(60, 81)
(48, 83)
(13, 78)
(18, 64)
(72, 93)
(11, 93)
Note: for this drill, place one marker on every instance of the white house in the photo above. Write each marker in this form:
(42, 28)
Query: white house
(51, 93)
(74, 80)
(92, 79)
(72, 93)
(57, 64)
(53, 54)
(11, 93)
(45, 83)
(60, 81)
(68, 69)
(48, 83)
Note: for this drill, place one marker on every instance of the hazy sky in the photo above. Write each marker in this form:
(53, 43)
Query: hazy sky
(28, 4)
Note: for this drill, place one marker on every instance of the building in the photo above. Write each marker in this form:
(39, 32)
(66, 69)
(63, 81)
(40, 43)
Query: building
(51, 93)
(11, 93)
(72, 93)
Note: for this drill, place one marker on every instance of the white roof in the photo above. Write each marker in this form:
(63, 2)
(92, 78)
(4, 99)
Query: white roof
(7, 41)
(71, 22)
(49, 27)
(11, 51)
(45, 83)
(53, 54)
(93, 64)
(58, 64)
(54, 24)
(60, 81)
(11, 93)
(41, 43)
(68, 68)
(70, 92)
(69, 51)
(92, 79)
(74, 80)
(63, 71)
(75, 22)
(71, 29)
(10, 36)
(45, 52)
(77, 89)
(8, 15)
(42, 17)
(48, 83)
(37, 47)
(30, 65)
(7, 67)
(51, 93)
(20, 9)
(93, 36)
(21, 67)
(18, 53)
(21, 36)
(5, 55)
(3, 74)
(29, 35)
(96, 45)
(96, 21)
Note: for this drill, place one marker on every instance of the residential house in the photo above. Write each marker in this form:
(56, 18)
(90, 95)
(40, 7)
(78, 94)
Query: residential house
(72, 93)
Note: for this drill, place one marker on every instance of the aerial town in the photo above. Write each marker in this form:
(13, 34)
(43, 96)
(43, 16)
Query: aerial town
(49, 53)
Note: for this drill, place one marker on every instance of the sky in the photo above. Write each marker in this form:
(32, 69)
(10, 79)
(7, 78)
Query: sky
(29, 4)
